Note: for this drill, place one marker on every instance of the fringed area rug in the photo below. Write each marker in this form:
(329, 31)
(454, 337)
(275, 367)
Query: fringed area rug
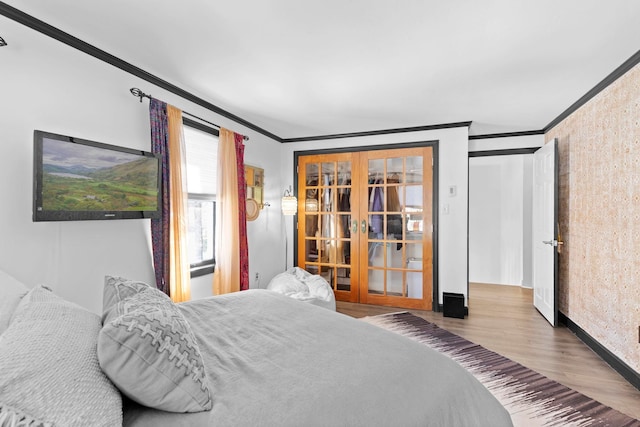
(531, 398)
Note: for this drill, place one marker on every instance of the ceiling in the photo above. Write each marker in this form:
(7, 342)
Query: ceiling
(300, 69)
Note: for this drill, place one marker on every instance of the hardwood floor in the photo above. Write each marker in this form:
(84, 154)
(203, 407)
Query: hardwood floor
(503, 319)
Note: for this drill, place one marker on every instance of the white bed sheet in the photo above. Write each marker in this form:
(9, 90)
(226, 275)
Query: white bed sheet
(273, 361)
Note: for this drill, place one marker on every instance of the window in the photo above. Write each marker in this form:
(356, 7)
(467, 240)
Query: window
(201, 144)
(201, 235)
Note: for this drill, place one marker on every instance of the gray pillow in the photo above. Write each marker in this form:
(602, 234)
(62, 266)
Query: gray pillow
(146, 347)
(117, 289)
(49, 371)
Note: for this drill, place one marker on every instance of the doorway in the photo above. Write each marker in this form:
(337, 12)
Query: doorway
(500, 219)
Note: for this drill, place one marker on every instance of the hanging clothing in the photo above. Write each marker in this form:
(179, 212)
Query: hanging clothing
(393, 201)
(394, 221)
(377, 206)
(326, 219)
(344, 206)
(312, 205)
(326, 194)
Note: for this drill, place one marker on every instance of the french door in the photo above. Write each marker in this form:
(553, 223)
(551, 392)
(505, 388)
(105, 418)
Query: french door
(365, 224)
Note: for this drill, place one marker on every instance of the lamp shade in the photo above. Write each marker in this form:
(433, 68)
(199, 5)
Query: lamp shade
(289, 205)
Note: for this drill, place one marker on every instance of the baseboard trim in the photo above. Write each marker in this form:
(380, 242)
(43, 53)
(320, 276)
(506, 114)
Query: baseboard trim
(618, 365)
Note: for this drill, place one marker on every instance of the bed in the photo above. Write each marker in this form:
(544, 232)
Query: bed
(253, 358)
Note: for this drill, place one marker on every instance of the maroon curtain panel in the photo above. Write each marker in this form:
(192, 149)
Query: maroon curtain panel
(160, 226)
(242, 212)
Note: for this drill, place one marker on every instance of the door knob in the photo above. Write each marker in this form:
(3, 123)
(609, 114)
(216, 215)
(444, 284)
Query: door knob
(354, 226)
(363, 226)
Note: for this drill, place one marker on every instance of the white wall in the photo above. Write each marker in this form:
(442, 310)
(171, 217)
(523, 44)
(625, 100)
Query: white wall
(506, 143)
(49, 86)
(453, 146)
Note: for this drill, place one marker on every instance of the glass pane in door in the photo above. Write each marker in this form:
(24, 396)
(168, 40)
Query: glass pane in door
(414, 284)
(411, 197)
(344, 174)
(414, 170)
(395, 283)
(328, 174)
(343, 280)
(395, 168)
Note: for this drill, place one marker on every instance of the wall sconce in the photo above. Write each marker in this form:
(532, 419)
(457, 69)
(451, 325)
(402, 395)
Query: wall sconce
(2, 42)
(289, 203)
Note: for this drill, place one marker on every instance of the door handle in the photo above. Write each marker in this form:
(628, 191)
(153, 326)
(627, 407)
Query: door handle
(552, 242)
(363, 226)
(354, 226)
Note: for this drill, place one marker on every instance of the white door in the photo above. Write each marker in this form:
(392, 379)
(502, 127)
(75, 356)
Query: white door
(545, 232)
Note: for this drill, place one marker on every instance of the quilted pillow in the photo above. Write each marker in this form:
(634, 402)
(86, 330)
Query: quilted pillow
(146, 347)
(11, 292)
(49, 371)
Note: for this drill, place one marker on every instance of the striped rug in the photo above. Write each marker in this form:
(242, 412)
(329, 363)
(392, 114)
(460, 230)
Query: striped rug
(531, 398)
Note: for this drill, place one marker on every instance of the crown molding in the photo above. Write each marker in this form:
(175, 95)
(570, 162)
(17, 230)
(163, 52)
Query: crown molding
(377, 132)
(507, 134)
(615, 75)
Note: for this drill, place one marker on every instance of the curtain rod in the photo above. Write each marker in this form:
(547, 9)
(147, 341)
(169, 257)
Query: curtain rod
(140, 94)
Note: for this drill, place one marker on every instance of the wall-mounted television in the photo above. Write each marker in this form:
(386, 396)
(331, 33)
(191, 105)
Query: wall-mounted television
(77, 179)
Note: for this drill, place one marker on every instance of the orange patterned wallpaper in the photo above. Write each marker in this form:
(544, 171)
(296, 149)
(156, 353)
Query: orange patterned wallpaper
(599, 212)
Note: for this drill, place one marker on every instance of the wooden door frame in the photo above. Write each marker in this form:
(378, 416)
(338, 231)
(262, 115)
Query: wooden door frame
(434, 144)
(488, 153)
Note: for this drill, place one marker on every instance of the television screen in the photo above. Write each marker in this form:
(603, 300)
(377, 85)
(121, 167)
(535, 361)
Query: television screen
(77, 179)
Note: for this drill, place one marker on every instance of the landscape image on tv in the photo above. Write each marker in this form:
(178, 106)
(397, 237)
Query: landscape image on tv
(78, 177)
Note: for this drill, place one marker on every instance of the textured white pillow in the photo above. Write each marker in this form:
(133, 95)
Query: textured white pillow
(146, 347)
(11, 292)
(49, 371)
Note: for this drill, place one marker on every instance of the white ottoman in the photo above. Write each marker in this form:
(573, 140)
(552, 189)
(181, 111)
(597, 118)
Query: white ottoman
(301, 285)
